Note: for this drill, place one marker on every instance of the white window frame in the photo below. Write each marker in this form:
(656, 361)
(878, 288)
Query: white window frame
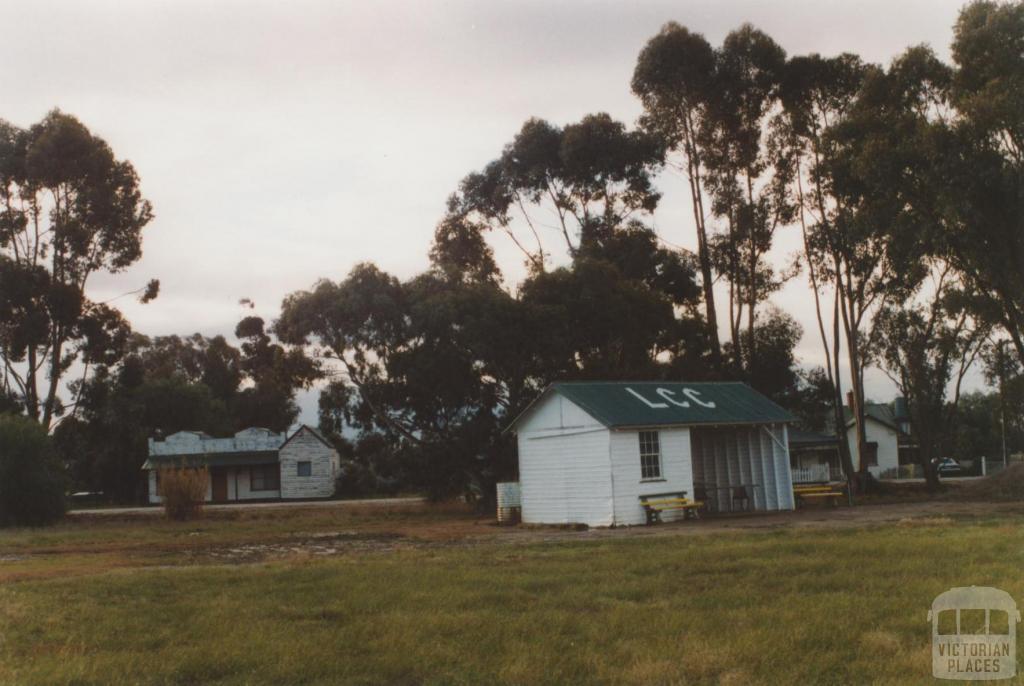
(298, 468)
(650, 456)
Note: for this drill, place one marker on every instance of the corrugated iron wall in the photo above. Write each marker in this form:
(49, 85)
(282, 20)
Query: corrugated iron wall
(756, 457)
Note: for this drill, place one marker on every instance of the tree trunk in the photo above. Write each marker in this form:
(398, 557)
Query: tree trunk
(707, 281)
(752, 293)
(31, 389)
(703, 253)
(856, 377)
(925, 454)
(55, 375)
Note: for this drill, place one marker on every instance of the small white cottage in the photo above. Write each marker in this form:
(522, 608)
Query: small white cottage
(889, 443)
(254, 464)
(589, 450)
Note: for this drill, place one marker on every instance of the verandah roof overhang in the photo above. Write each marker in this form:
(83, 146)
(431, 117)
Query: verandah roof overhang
(238, 459)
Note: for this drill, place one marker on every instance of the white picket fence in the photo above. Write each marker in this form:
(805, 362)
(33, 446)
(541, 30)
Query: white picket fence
(815, 473)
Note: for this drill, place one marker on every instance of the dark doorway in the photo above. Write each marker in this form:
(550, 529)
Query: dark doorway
(219, 480)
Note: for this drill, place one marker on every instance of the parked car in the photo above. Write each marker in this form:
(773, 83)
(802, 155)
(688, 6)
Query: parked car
(949, 467)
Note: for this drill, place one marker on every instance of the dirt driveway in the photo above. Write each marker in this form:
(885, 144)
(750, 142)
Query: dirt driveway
(809, 518)
(157, 510)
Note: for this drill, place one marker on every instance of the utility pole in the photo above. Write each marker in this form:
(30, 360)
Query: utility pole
(1001, 361)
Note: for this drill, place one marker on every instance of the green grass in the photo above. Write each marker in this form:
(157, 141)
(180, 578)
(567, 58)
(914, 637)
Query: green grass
(774, 607)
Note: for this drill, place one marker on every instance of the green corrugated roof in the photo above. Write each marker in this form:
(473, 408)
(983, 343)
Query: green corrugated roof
(810, 439)
(659, 403)
(238, 459)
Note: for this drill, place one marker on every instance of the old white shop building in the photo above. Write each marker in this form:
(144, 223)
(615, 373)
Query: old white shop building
(589, 450)
(254, 464)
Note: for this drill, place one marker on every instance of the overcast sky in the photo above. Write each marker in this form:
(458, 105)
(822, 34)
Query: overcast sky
(283, 142)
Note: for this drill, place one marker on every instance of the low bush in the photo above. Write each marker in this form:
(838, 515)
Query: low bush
(183, 490)
(31, 478)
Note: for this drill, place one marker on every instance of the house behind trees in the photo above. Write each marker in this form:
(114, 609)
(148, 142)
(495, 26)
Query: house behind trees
(254, 464)
(890, 444)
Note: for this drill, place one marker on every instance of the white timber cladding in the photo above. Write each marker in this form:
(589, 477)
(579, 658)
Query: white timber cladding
(573, 469)
(565, 479)
(884, 436)
(564, 465)
(304, 446)
(676, 472)
(238, 481)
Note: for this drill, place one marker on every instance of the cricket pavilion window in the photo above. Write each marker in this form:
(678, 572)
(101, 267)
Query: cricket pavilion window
(650, 455)
(304, 468)
(265, 477)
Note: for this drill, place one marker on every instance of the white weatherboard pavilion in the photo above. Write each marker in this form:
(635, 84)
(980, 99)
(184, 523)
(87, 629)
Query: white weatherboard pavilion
(589, 450)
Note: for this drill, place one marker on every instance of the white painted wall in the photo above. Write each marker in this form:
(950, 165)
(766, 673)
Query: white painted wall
(888, 445)
(243, 484)
(574, 470)
(239, 487)
(564, 466)
(304, 446)
(566, 479)
(676, 473)
(556, 415)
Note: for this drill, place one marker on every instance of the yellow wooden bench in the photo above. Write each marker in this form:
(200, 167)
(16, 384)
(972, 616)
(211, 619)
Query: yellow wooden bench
(657, 503)
(804, 494)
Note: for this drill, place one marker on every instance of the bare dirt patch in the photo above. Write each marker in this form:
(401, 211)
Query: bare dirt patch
(93, 546)
(316, 545)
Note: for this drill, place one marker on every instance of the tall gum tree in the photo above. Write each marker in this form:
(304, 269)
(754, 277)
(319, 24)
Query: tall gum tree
(68, 208)
(748, 173)
(816, 93)
(675, 80)
(985, 160)
(582, 180)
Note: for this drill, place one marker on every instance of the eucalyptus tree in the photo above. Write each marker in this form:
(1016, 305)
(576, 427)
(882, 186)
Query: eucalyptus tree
(892, 169)
(870, 194)
(676, 82)
(816, 93)
(925, 348)
(68, 209)
(748, 174)
(437, 364)
(582, 180)
(888, 232)
(414, 362)
(985, 160)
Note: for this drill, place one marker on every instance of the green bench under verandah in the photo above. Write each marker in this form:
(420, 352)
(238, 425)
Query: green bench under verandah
(656, 503)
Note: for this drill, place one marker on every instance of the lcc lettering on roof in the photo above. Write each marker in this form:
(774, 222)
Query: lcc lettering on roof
(669, 396)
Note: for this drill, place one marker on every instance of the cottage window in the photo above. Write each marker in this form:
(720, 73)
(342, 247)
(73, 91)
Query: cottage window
(304, 468)
(650, 455)
(264, 478)
(871, 456)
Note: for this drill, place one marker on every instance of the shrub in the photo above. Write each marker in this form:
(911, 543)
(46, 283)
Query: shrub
(183, 490)
(31, 478)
